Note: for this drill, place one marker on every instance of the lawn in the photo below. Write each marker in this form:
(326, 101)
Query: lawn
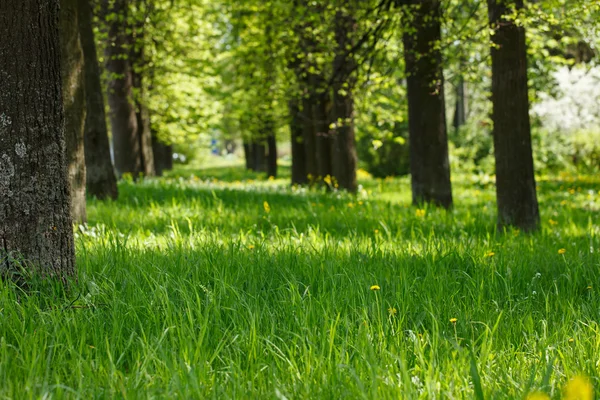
(216, 284)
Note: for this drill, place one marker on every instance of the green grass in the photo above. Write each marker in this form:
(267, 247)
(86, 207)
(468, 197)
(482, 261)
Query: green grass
(188, 288)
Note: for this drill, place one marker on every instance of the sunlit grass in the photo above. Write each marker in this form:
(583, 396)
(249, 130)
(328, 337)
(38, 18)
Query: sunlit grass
(214, 283)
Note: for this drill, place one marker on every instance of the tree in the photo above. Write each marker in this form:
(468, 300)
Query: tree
(344, 66)
(515, 181)
(73, 84)
(36, 230)
(428, 140)
(123, 118)
(298, 156)
(100, 175)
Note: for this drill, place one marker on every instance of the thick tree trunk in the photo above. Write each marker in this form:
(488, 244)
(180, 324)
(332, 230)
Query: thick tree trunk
(36, 230)
(343, 145)
(310, 140)
(73, 86)
(298, 154)
(100, 175)
(163, 155)
(272, 155)
(123, 119)
(428, 139)
(515, 181)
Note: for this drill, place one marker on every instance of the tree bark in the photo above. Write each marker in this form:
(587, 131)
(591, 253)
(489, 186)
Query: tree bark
(259, 155)
(73, 86)
(298, 154)
(515, 181)
(123, 118)
(249, 157)
(321, 120)
(271, 154)
(428, 139)
(163, 155)
(343, 145)
(310, 140)
(36, 231)
(460, 108)
(100, 175)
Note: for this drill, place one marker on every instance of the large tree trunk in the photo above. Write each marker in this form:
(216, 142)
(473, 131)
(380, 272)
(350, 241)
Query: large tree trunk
(123, 118)
(344, 146)
(248, 156)
(259, 155)
(272, 155)
(36, 230)
(428, 139)
(163, 155)
(515, 181)
(74, 104)
(298, 154)
(310, 140)
(100, 175)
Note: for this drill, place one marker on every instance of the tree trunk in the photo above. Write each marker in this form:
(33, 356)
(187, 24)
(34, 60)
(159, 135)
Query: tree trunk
(428, 139)
(343, 145)
(36, 230)
(74, 104)
(123, 118)
(515, 181)
(259, 155)
(163, 155)
(460, 108)
(100, 175)
(298, 154)
(138, 63)
(249, 157)
(272, 155)
(321, 120)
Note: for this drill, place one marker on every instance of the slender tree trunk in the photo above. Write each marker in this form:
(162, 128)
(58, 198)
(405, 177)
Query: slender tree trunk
(249, 157)
(259, 154)
(428, 139)
(344, 146)
(271, 153)
(144, 132)
(515, 181)
(123, 118)
(163, 155)
(73, 85)
(324, 140)
(310, 140)
(36, 231)
(298, 154)
(460, 108)
(100, 175)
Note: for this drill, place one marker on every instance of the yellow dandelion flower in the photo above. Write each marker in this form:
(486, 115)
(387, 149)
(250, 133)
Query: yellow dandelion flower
(251, 246)
(454, 320)
(490, 254)
(537, 396)
(360, 203)
(562, 251)
(327, 180)
(375, 287)
(376, 231)
(267, 207)
(571, 191)
(552, 222)
(271, 178)
(563, 203)
(571, 340)
(420, 212)
(589, 287)
(392, 311)
(578, 388)
(351, 205)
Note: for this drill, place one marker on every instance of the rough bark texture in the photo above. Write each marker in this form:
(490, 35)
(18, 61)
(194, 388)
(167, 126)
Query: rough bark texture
(259, 155)
(298, 155)
(163, 155)
(100, 175)
(515, 181)
(123, 118)
(271, 155)
(73, 86)
(343, 144)
(35, 217)
(310, 140)
(428, 139)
